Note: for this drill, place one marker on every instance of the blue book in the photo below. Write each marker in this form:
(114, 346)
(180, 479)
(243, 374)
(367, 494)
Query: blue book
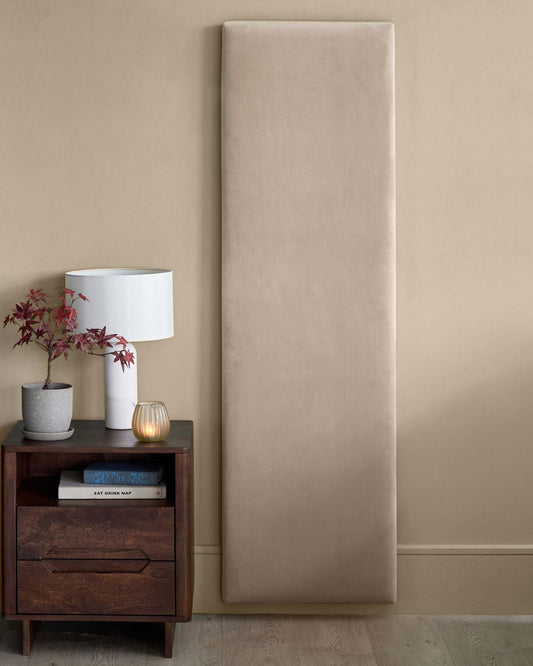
(123, 473)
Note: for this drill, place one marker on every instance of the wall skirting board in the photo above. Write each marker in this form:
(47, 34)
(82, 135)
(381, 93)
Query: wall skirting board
(460, 549)
(429, 549)
(445, 579)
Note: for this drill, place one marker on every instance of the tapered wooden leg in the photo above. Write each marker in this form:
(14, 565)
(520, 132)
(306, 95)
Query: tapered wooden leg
(29, 631)
(169, 638)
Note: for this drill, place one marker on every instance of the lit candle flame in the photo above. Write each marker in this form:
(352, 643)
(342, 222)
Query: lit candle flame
(149, 430)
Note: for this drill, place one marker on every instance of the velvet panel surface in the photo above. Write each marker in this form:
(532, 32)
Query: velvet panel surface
(308, 309)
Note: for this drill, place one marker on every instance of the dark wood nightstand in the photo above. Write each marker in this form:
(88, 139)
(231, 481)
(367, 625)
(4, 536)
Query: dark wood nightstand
(103, 560)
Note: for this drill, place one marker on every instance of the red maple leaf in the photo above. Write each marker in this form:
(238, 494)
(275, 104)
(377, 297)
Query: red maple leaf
(35, 295)
(66, 315)
(100, 337)
(82, 341)
(61, 346)
(121, 341)
(124, 357)
(52, 328)
(39, 332)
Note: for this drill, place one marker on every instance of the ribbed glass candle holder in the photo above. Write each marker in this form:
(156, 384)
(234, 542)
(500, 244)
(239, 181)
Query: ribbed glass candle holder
(150, 421)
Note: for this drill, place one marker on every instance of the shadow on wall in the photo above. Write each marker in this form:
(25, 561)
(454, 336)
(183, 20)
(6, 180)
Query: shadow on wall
(208, 362)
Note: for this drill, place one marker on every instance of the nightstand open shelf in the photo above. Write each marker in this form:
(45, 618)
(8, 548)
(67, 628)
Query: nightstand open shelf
(42, 491)
(116, 560)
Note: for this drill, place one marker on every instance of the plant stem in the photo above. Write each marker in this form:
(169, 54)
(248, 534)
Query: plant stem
(48, 382)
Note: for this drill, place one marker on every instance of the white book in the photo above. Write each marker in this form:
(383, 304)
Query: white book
(71, 486)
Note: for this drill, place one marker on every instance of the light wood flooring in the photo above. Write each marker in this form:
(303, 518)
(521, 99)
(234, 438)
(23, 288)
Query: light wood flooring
(283, 640)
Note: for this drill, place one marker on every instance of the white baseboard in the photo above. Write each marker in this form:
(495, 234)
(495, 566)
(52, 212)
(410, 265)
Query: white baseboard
(466, 549)
(430, 549)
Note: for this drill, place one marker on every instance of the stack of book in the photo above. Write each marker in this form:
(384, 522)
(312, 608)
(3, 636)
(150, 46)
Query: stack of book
(114, 480)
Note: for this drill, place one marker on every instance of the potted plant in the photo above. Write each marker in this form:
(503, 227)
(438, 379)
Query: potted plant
(47, 406)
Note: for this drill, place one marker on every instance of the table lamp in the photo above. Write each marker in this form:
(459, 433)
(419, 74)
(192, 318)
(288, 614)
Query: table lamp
(135, 303)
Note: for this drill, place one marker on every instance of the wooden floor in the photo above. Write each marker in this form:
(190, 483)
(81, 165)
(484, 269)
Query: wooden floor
(283, 640)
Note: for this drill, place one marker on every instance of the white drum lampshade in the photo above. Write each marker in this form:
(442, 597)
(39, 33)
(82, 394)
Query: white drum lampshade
(135, 303)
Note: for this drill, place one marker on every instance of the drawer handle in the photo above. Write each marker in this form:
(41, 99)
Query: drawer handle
(95, 566)
(96, 553)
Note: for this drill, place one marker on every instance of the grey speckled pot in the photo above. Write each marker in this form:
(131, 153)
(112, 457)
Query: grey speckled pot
(47, 411)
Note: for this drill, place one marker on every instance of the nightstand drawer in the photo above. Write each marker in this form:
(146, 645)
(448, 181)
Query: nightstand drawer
(96, 587)
(95, 532)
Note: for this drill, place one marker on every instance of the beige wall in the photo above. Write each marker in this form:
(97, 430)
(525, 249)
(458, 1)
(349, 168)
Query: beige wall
(109, 156)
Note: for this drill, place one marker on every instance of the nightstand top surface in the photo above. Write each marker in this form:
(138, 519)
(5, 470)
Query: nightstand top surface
(94, 436)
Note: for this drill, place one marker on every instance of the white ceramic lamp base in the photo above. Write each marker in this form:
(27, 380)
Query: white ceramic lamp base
(120, 392)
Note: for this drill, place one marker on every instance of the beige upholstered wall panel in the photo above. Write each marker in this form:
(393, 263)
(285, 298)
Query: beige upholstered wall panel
(309, 492)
